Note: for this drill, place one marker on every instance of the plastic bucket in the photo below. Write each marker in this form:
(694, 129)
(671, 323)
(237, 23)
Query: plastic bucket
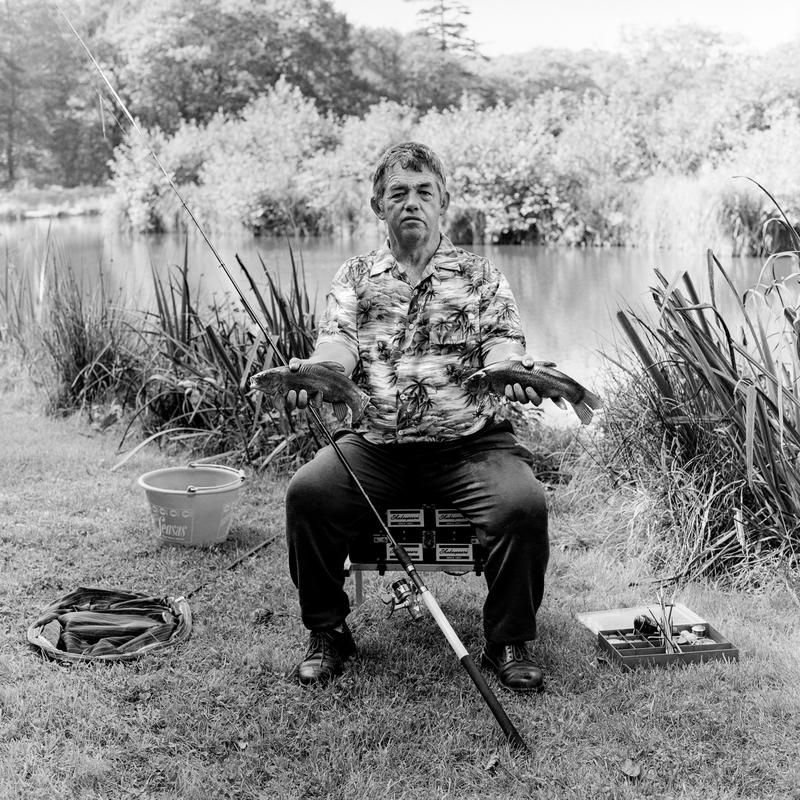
(192, 505)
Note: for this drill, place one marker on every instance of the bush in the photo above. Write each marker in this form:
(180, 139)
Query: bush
(251, 173)
(338, 181)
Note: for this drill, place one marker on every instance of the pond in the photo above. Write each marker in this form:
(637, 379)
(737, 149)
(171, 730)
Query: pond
(568, 298)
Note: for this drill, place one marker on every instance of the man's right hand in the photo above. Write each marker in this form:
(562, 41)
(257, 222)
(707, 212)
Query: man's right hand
(300, 398)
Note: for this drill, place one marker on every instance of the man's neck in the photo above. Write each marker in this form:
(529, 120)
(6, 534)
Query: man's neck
(414, 257)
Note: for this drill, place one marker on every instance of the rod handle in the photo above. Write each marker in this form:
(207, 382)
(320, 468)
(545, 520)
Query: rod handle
(512, 734)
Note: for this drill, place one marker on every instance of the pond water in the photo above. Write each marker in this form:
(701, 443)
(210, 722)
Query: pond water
(568, 298)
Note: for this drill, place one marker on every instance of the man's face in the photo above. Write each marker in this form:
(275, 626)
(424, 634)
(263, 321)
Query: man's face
(412, 205)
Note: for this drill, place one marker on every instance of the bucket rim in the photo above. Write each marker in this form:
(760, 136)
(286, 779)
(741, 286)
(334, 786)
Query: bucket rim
(235, 483)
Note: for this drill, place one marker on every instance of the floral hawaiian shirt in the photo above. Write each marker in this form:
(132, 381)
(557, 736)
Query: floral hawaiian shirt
(414, 344)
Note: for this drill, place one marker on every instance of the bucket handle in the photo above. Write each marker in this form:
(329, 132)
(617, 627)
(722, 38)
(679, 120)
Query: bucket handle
(194, 464)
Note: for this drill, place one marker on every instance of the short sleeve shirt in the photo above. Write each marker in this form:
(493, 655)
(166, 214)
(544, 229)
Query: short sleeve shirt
(414, 344)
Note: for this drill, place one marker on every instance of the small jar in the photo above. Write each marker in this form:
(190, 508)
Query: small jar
(699, 631)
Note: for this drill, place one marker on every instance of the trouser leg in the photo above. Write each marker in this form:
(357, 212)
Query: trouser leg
(490, 480)
(324, 510)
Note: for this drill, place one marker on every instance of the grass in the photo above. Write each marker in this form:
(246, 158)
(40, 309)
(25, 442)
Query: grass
(218, 717)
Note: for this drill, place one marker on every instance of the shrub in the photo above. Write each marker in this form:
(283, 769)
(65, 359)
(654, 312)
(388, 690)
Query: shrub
(251, 173)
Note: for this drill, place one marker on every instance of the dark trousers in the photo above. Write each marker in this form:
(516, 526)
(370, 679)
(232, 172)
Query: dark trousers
(486, 476)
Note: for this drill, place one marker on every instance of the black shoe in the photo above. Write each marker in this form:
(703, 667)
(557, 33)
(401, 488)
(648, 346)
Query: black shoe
(513, 665)
(325, 657)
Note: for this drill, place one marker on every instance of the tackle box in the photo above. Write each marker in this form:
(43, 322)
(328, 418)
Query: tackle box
(631, 649)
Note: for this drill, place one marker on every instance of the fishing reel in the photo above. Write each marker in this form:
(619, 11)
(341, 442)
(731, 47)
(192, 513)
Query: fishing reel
(403, 596)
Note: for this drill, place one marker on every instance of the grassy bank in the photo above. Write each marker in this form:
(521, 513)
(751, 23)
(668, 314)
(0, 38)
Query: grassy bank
(218, 717)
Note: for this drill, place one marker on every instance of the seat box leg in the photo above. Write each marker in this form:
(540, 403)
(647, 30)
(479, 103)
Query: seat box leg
(359, 577)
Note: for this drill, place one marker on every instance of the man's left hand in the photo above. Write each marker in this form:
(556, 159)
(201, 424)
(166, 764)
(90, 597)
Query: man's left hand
(516, 393)
(519, 394)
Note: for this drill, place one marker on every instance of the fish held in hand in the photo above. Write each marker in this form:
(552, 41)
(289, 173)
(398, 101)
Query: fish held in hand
(322, 380)
(542, 378)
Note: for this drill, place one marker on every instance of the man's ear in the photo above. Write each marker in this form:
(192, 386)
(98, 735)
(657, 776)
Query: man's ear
(376, 207)
(445, 201)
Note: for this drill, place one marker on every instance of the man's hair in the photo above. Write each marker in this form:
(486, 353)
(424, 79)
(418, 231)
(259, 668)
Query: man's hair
(408, 155)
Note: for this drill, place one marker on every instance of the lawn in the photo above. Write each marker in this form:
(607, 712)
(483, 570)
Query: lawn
(219, 717)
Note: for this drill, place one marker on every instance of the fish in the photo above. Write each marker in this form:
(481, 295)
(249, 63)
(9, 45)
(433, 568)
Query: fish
(323, 380)
(542, 378)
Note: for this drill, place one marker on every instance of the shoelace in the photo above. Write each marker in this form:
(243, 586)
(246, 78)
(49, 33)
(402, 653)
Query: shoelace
(322, 642)
(518, 652)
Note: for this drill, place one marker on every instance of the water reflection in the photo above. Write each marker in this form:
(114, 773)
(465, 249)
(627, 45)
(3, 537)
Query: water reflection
(568, 298)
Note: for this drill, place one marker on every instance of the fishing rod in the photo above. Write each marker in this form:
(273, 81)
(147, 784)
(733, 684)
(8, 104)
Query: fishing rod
(467, 662)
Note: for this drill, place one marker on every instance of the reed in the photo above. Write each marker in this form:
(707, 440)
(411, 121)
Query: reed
(195, 388)
(76, 341)
(709, 420)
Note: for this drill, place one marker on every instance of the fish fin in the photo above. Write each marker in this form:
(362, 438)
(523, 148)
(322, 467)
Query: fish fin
(334, 365)
(315, 399)
(539, 364)
(592, 400)
(583, 411)
(560, 402)
(340, 411)
(363, 401)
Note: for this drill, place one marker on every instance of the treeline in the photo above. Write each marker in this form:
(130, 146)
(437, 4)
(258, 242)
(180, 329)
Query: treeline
(271, 113)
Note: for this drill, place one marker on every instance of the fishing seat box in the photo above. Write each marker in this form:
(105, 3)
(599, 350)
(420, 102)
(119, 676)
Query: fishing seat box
(436, 538)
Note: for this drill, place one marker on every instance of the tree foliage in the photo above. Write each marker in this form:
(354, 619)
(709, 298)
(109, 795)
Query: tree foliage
(271, 113)
(181, 60)
(50, 129)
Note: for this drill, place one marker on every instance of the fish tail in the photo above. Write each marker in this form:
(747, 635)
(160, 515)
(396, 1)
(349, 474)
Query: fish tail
(592, 400)
(584, 411)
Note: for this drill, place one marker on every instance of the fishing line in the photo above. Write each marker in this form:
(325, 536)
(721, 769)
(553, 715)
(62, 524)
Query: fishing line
(467, 662)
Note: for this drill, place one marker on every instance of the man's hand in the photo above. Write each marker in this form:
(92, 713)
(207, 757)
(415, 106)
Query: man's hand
(519, 394)
(297, 399)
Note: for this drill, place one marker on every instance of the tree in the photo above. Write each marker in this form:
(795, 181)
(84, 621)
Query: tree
(404, 69)
(181, 60)
(444, 21)
(49, 119)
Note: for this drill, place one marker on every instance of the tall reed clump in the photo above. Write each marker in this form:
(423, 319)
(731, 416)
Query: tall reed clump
(711, 427)
(194, 389)
(77, 343)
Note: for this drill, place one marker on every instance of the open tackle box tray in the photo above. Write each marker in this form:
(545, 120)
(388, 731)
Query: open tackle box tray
(630, 648)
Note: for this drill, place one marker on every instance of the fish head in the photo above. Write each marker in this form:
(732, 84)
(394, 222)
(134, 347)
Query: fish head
(269, 381)
(477, 382)
(457, 374)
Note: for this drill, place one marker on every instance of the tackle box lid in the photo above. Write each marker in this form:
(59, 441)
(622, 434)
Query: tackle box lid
(619, 618)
